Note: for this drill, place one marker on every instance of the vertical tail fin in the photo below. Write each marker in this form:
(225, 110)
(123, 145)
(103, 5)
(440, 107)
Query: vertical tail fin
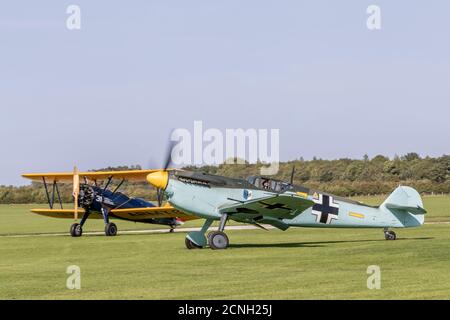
(406, 204)
(405, 199)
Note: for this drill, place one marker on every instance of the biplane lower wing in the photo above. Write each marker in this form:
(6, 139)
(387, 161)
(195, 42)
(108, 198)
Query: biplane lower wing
(134, 214)
(64, 213)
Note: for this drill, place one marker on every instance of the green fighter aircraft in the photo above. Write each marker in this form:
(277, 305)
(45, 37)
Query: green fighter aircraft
(261, 200)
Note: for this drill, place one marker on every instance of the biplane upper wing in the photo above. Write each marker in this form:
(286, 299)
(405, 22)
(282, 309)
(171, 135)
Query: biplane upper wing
(131, 175)
(137, 214)
(278, 206)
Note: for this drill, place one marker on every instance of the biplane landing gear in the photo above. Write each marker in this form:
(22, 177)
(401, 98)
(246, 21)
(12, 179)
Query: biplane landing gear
(76, 230)
(389, 234)
(218, 239)
(172, 229)
(110, 229)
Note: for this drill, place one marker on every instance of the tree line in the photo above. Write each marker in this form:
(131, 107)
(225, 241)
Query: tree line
(344, 177)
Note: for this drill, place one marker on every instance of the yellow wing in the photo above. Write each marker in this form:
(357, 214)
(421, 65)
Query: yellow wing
(134, 214)
(131, 175)
(64, 213)
(137, 214)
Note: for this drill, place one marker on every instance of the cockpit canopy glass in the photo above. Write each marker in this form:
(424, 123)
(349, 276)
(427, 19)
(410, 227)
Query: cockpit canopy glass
(269, 184)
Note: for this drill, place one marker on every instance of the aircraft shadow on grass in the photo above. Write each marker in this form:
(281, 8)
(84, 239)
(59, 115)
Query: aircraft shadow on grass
(312, 244)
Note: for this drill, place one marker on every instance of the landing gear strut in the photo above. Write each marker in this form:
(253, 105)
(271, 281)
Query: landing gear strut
(197, 239)
(218, 239)
(389, 234)
(76, 229)
(110, 228)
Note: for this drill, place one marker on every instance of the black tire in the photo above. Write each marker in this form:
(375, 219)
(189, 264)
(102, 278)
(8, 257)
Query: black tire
(390, 235)
(110, 229)
(218, 240)
(190, 245)
(76, 230)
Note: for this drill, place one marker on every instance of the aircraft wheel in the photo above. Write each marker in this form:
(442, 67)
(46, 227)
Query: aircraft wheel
(218, 240)
(76, 230)
(390, 235)
(110, 229)
(190, 245)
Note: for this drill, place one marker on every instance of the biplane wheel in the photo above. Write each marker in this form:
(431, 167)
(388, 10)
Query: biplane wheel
(390, 235)
(76, 230)
(110, 229)
(190, 245)
(218, 240)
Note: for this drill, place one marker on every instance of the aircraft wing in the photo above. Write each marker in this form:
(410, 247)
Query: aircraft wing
(131, 175)
(134, 214)
(278, 206)
(137, 214)
(64, 213)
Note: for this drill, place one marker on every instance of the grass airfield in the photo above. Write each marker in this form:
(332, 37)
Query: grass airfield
(300, 263)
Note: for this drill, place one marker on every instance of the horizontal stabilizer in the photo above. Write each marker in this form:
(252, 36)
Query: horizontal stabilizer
(413, 210)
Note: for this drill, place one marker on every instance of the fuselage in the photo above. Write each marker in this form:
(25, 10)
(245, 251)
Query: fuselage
(116, 200)
(204, 195)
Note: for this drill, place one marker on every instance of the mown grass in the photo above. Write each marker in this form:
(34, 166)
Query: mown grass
(300, 263)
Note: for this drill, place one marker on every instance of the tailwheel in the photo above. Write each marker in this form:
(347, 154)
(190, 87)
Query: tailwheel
(218, 240)
(390, 235)
(76, 230)
(191, 245)
(110, 229)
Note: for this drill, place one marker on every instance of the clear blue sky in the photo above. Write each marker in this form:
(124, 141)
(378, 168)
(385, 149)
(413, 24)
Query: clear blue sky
(109, 93)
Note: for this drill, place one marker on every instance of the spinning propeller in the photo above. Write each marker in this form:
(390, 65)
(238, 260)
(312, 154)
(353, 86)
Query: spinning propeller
(160, 178)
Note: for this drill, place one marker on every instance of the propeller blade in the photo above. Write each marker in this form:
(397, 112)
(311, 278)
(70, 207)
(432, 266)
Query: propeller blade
(159, 195)
(292, 174)
(76, 191)
(168, 158)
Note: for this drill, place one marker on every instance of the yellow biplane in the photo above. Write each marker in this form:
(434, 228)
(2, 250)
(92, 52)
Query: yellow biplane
(94, 199)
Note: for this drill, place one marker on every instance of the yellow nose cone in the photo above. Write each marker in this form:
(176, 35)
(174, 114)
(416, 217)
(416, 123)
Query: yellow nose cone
(158, 179)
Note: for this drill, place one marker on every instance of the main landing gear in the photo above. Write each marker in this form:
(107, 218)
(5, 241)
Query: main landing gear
(76, 229)
(389, 234)
(110, 229)
(216, 239)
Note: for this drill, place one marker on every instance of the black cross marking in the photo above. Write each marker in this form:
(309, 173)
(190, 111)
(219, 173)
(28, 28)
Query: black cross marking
(275, 206)
(325, 209)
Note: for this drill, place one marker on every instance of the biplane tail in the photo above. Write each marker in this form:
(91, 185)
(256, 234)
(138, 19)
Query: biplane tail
(406, 200)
